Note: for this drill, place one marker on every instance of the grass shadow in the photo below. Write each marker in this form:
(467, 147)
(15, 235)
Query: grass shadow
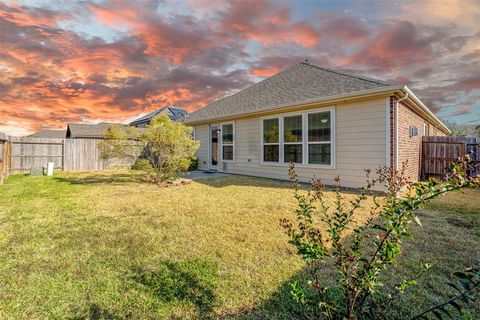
(251, 181)
(189, 281)
(100, 178)
(448, 248)
(95, 312)
(244, 181)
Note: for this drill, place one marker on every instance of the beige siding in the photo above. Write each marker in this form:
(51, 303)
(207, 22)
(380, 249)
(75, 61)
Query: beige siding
(360, 144)
(201, 134)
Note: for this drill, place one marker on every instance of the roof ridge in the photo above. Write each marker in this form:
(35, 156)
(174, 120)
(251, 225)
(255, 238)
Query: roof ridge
(348, 74)
(254, 84)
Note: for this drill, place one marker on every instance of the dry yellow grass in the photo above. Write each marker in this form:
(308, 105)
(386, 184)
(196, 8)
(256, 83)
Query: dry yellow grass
(105, 245)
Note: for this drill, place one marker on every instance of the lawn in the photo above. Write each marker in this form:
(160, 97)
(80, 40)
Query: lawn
(106, 246)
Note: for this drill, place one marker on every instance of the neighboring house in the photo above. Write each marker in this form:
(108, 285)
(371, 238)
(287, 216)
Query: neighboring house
(88, 131)
(329, 122)
(176, 114)
(55, 134)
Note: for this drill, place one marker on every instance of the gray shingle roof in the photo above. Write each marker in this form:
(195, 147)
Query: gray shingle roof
(301, 82)
(173, 112)
(82, 130)
(47, 133)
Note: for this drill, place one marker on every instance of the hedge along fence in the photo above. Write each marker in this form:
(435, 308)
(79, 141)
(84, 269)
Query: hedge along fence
(66, 154)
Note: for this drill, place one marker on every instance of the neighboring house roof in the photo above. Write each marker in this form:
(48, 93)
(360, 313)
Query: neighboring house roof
(55, 134)
(176, 114)
(82, 130)
(303, 83)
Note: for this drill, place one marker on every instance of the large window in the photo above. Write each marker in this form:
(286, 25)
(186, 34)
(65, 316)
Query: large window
(228, 138)
(271, 140)
(305, 139)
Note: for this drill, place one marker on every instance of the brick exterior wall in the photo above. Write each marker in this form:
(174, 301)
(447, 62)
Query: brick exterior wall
(409, 147)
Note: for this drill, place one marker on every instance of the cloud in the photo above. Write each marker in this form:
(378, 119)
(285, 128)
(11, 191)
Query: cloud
(268, 24)
(113, 60)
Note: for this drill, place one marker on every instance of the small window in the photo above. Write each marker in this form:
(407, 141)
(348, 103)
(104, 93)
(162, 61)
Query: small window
(319, 138)
(228, 138)
(426, 129)
(413, 131)
(271, 140)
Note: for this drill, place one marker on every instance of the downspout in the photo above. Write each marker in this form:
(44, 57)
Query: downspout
(396, 127)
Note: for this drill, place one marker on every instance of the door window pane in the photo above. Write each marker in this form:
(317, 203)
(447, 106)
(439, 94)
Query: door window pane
(214, 150)
(319, 125)
(227, 152)
(270, 153)
(319, 154)
(292, 129)
(293, 152)
(270, 131)
(227, 133)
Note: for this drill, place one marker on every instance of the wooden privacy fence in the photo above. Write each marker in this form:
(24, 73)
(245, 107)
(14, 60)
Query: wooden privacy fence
(5, 159)
(438, 153)
(66, 154)
(35, 152)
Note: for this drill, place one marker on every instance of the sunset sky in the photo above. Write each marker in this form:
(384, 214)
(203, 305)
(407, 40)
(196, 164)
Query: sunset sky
(80, 61)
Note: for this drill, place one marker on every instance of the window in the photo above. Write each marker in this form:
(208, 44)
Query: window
(426, 129)
(271, 140)
(306, 138)
(228, 136)
(292, 139)
(319, 138)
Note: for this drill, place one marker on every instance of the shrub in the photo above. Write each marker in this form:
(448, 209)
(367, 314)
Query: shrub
(375, 245)
(193, 164)
(168, 147)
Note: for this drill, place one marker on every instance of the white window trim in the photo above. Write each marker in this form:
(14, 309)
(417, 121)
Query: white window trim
(209, 154)
(304, 142)
(279, 143)
(227, 144)
(425, 127)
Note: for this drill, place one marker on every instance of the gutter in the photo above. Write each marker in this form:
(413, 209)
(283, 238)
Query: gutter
(425, 109)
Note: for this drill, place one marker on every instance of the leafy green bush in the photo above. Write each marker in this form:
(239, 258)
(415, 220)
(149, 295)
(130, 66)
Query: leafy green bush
(193, 164)
(374, 245)
(167, 147)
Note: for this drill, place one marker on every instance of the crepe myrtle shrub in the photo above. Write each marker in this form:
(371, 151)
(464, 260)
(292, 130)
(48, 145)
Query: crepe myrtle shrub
(165, 148)
(319, 229)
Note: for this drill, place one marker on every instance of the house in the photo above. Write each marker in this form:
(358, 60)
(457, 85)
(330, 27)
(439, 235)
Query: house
(47, 133)
(329, 122)
(88, 131)
(176, 114)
